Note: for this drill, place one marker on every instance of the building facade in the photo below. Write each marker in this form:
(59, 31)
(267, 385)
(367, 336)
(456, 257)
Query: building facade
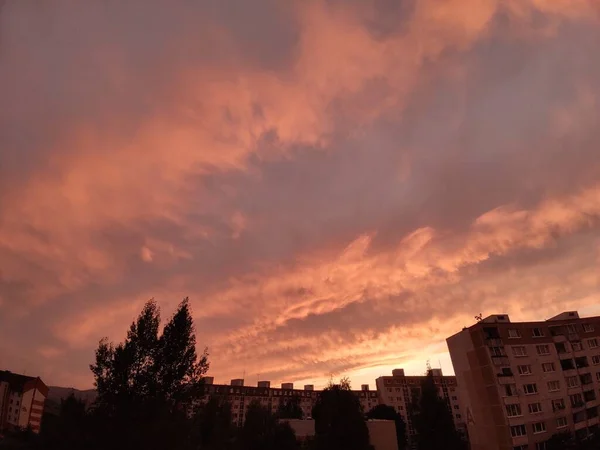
(22, 401)
(521, 383)
(399, 391)
(240, 396)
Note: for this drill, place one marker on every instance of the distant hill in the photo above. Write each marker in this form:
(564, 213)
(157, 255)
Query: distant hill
(57, 393)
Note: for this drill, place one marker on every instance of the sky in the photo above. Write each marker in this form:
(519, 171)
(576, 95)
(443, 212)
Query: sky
(337, 185)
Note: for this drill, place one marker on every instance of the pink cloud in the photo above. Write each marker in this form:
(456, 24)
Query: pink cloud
(334, 184)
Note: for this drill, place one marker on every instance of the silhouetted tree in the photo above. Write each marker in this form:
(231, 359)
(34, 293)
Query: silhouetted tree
(262, 431)
(69, 429)
(213, 425)
(432, 419)
(290, 409)
(385, 412)
(147, 384)
(561, 441)
(339, 421)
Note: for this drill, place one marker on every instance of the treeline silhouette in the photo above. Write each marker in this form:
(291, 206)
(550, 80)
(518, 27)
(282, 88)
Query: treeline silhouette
(148, 389)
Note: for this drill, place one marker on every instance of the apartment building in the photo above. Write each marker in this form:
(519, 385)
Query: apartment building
(240, 396)
(399, 391)
(22, 401)
(520, 383)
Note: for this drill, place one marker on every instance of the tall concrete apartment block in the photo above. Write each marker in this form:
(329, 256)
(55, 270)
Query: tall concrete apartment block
(22, 401)
(399, 390)
(520, 383)
(240, 396)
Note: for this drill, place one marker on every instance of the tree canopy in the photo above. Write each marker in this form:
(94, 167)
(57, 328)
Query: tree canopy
(432, 419)
(290, 409)
(262, 431)
(148, 383)
(339, 420)
(386, 412)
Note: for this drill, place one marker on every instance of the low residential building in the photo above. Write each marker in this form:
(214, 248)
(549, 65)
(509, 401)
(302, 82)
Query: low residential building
(382, 433)
(240, 396)
(399, 390)
(22, 401)
(520, 383)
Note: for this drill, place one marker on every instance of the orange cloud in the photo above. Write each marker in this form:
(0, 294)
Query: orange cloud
(335, 184)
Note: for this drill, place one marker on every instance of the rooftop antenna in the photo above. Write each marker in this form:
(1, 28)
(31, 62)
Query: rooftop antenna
(479, 317)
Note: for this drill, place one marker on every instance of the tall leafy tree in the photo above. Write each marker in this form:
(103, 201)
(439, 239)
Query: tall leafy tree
(290, 409)
(147, 384)
(339, 420)
(213, 426)
(432, 419)
(262, 431)
(386, 412)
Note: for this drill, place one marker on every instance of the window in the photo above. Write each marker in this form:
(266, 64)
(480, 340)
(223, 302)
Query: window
(511, 390)
(506, 372)
(542, 349)
(572, 381)
(456, 407)
(561, 347)
(524, 370)
(555, 331)
(513, 333)
(558, 404)
(591, 412)
(567, 364)
(589, 396)
(454, 397)
(586, 378)
(572, 328)
(535, 408)
(579, 417)
(491, 333)
(548, 367)
(576, 345)
(597, 376)
(540, 446)
(513, 410)
(592, 343)
(537, 332)
(561, 422)
(497, 351)
(518, 430)
(553, 386)
(588, 327)
(581, 362)
(576, 400)
(521, 447)
(596, 360)
(530, 388)
(519, 351)
(539, 427)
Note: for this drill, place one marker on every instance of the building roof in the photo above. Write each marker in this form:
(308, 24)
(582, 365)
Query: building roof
(17, 381)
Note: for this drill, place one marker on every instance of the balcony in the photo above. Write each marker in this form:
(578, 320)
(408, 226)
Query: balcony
(494, 342)
(573, 336)
(500, 360)
(577, 404)
(506, 379)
